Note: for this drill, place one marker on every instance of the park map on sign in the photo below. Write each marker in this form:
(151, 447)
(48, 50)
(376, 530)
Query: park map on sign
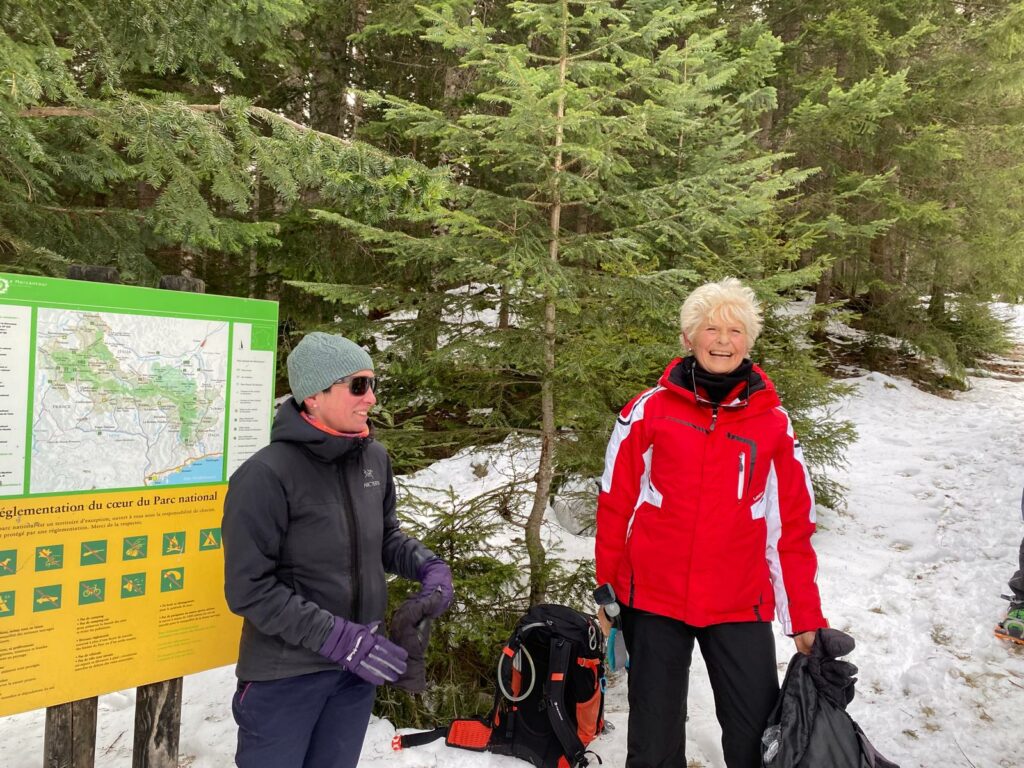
(124, 401)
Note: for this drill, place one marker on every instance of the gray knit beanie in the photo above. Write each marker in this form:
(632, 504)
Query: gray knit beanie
(320, 359)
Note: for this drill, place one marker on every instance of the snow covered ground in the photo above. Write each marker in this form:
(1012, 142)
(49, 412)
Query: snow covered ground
(913, 569)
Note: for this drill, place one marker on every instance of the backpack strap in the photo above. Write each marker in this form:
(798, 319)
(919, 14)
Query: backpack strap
(471, 733)
(554, 686)
(401, 741)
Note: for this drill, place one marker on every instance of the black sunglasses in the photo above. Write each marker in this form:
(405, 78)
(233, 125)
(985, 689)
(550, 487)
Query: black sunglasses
(357, 385)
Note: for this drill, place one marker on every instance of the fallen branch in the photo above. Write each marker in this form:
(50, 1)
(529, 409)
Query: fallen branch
(113, 744)
(964, 754)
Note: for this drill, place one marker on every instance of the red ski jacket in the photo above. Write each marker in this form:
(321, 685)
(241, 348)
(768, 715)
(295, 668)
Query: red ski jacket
(705, 514)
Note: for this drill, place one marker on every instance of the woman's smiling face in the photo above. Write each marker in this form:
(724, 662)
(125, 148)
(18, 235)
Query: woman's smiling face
(720, 344)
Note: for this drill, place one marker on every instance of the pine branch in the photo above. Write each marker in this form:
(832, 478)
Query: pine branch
(270, 117)
(259, 113)
(57, 112)
(94, 211)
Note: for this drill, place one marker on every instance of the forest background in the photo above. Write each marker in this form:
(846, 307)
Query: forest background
(506, 202)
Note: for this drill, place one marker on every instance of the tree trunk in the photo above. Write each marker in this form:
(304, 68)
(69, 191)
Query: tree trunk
(546, 467)
(428, 321)
(785, 23)
(503, 310)
(882, 272)
(937, 295)
(253, 253)
(457, 81)
(329, 84)
(823, 291)
(354, 105)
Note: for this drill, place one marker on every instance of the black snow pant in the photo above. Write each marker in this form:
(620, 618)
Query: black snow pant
(742, 668)
(1017, 581)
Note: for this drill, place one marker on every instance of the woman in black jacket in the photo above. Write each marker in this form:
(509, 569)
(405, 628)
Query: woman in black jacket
(309, 531)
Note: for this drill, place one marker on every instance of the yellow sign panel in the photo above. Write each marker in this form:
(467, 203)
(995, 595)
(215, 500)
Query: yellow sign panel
(107, 591)
(123, 411)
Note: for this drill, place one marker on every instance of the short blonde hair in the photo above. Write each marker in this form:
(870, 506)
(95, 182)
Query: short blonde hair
(729, 300)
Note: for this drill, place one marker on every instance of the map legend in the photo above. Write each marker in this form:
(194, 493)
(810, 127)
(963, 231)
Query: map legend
(15, 348)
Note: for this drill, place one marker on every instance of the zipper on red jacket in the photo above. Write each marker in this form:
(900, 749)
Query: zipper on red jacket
(714, 418)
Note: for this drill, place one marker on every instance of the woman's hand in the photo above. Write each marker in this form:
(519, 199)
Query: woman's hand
(604, 621)
(804, 641)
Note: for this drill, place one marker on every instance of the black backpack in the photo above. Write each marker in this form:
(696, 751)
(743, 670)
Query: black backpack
(549, 697)
(809, 726)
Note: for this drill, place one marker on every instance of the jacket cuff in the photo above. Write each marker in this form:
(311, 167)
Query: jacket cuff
(814, 627)
(318, 635)
(420, 556)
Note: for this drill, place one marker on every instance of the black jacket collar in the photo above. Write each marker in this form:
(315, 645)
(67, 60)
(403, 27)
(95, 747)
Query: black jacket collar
(289, 426)
(713, 387)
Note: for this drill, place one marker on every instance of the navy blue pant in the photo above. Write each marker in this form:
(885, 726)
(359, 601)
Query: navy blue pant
(741, 665)
(310, 721)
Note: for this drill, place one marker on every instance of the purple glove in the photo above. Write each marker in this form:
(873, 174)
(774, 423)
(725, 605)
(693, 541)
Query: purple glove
(436, 576)
(356, 648)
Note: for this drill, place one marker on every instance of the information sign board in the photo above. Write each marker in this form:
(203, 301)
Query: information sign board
(123, 411)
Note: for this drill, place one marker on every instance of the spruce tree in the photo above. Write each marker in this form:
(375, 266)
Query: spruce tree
(604, 163)
(895, 104)
(119, 145)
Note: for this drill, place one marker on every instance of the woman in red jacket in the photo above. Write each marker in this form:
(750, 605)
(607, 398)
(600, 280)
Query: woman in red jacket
(704, 524)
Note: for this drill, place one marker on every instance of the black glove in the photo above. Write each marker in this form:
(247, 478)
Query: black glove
(410, 629)
(833, 678)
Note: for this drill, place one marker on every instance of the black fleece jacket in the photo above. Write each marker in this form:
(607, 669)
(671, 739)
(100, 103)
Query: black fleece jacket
(309, 530)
